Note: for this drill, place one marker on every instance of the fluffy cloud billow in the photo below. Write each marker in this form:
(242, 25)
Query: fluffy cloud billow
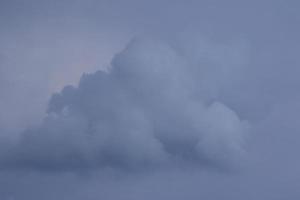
(157, 105)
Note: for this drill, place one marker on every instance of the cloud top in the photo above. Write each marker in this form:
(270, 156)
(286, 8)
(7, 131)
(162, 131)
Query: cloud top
(156, 106)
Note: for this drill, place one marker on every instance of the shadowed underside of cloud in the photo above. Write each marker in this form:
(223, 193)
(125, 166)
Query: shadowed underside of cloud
(156, 106)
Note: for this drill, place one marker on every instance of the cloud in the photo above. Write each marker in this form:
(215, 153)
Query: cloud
(158, 105)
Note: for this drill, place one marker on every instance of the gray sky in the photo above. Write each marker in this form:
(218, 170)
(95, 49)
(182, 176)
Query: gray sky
(199, 100)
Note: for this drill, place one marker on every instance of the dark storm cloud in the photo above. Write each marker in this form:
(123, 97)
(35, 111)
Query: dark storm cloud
(157, 105)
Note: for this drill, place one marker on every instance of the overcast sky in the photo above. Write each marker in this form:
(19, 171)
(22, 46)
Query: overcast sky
(161, 99)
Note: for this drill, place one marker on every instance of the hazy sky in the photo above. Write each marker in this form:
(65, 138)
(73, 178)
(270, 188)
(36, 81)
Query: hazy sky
(158, 99)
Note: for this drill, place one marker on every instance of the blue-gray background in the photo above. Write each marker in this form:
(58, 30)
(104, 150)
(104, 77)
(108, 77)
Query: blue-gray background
(45, 45)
